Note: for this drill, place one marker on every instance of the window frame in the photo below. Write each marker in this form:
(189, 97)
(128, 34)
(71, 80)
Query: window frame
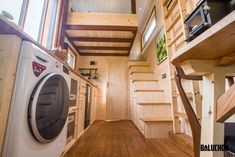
(154, 15)
(44, 40)
(70, 50)
(43, 22)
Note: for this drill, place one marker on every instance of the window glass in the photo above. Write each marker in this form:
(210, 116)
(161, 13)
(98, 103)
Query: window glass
(13, 7)
(34, 16)
(149, 29)
(52, 10)
(71, 58)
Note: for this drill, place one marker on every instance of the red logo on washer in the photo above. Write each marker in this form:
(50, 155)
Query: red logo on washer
(38, 68)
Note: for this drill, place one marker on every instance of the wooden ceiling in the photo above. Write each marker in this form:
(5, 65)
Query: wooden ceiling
(102, 34)
(102, 6)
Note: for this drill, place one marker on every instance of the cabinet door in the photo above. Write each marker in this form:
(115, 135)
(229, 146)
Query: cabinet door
(117, 90)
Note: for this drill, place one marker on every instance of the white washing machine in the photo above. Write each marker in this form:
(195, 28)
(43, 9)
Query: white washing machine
(39, 107)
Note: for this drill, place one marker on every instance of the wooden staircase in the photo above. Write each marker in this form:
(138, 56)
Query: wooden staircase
(150, 108)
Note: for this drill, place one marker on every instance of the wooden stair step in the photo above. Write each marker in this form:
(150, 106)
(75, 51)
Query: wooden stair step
(145, 80)
(183, 141)
(137, 62)
(142, 72)
(156, 119)
(189, 95)
(143, 76)
(145, 85)
(180, 114)
(138, 65)
(157, 90)
(154, 103)
(225, 105)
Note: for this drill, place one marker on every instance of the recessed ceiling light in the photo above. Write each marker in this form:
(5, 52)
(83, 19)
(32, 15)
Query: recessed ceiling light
(140, 8)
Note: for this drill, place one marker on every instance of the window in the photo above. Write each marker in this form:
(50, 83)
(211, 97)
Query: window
(13, 7)
(50, 21)
(149, 28)
(34, 18)
(71, 58)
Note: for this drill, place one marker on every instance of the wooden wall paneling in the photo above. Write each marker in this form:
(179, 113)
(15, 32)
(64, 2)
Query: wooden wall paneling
(101, 82)
(9, 52)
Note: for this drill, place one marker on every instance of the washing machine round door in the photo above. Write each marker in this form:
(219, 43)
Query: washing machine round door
(48, 108)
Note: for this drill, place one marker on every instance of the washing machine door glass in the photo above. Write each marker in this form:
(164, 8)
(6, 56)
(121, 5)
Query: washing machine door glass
(48, 108)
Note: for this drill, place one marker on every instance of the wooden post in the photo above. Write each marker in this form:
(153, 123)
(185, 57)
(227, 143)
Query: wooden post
(62, 23)
(212, 132)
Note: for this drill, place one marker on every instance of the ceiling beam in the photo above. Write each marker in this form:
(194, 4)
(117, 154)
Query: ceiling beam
(133, 6)
(102, 48)
(102, 28)
(105, 54)
(103, 19)
(95, 39)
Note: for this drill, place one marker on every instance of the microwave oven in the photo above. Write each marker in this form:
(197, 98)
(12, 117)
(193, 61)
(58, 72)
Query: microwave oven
(206, 14)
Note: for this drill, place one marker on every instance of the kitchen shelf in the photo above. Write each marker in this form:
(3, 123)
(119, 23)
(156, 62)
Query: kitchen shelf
(213, 44)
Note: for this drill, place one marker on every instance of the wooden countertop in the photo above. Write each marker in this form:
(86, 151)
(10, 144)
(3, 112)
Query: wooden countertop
(215, 43)
(10, 28)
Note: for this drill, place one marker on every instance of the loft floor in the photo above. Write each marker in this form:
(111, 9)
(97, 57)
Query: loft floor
(121, 139)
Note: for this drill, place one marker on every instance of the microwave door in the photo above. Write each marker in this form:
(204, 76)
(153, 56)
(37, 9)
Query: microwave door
(196, 21)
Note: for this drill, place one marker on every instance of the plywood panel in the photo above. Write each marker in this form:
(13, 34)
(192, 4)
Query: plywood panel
(9, 52)
(117, 89)
(104, 34)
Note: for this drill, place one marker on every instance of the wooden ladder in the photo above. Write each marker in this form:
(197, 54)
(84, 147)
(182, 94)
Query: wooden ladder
(174, 14)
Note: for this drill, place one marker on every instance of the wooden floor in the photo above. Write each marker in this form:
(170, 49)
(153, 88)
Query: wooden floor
(121, 139)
